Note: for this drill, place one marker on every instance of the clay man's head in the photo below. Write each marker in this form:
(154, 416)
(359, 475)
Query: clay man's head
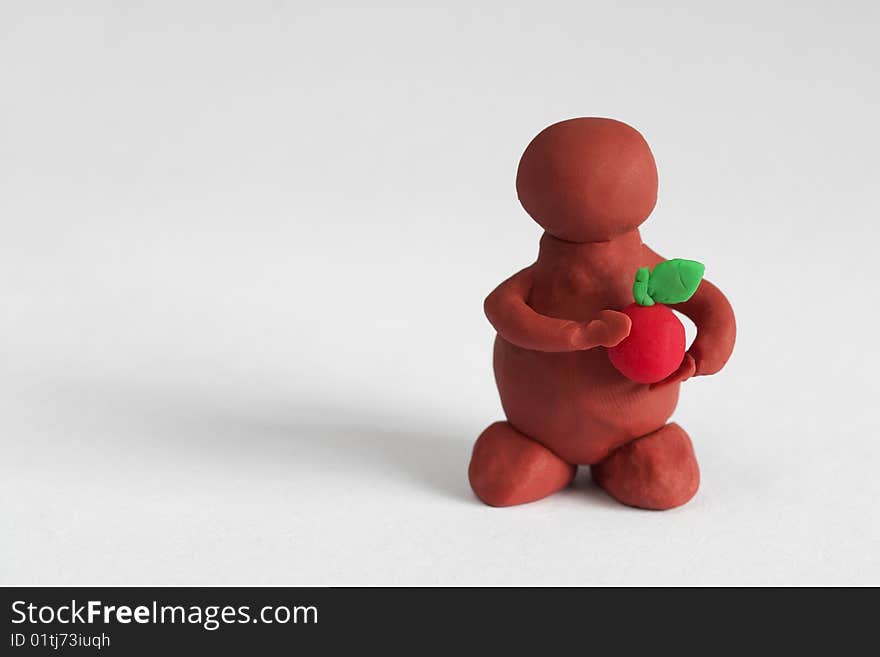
(588, 180)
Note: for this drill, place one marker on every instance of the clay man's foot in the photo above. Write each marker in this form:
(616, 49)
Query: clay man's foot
(507, 468)
(657, 471)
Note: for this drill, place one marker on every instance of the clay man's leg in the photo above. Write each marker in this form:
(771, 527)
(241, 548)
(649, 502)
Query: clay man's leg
(657, 471)
(507, 468)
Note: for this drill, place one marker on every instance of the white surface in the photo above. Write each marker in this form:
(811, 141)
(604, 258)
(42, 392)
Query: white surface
(244, 252)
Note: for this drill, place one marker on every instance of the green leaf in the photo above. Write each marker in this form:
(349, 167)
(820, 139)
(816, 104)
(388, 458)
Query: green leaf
(671, 282)
(675, 281)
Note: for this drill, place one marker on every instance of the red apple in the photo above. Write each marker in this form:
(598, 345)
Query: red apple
(655, 346)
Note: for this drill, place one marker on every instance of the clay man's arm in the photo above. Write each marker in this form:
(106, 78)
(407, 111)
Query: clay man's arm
(713, 316)
(519, 324)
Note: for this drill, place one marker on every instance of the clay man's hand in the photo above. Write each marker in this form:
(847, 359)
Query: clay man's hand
(608, 329)
(686, 370)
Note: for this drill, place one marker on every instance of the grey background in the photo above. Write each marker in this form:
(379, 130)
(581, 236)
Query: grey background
(244, 247)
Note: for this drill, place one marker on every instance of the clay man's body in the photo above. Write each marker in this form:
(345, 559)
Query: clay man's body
(590, 183)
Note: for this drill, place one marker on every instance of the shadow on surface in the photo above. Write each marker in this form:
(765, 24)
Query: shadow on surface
(226, 430)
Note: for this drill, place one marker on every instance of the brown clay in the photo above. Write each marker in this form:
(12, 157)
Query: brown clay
(509, 468)
(657, 471)
(590, 183)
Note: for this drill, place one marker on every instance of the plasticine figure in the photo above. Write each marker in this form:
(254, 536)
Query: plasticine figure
(563, 363)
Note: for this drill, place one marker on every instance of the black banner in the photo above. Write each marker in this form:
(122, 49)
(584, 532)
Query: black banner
(229, 620)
